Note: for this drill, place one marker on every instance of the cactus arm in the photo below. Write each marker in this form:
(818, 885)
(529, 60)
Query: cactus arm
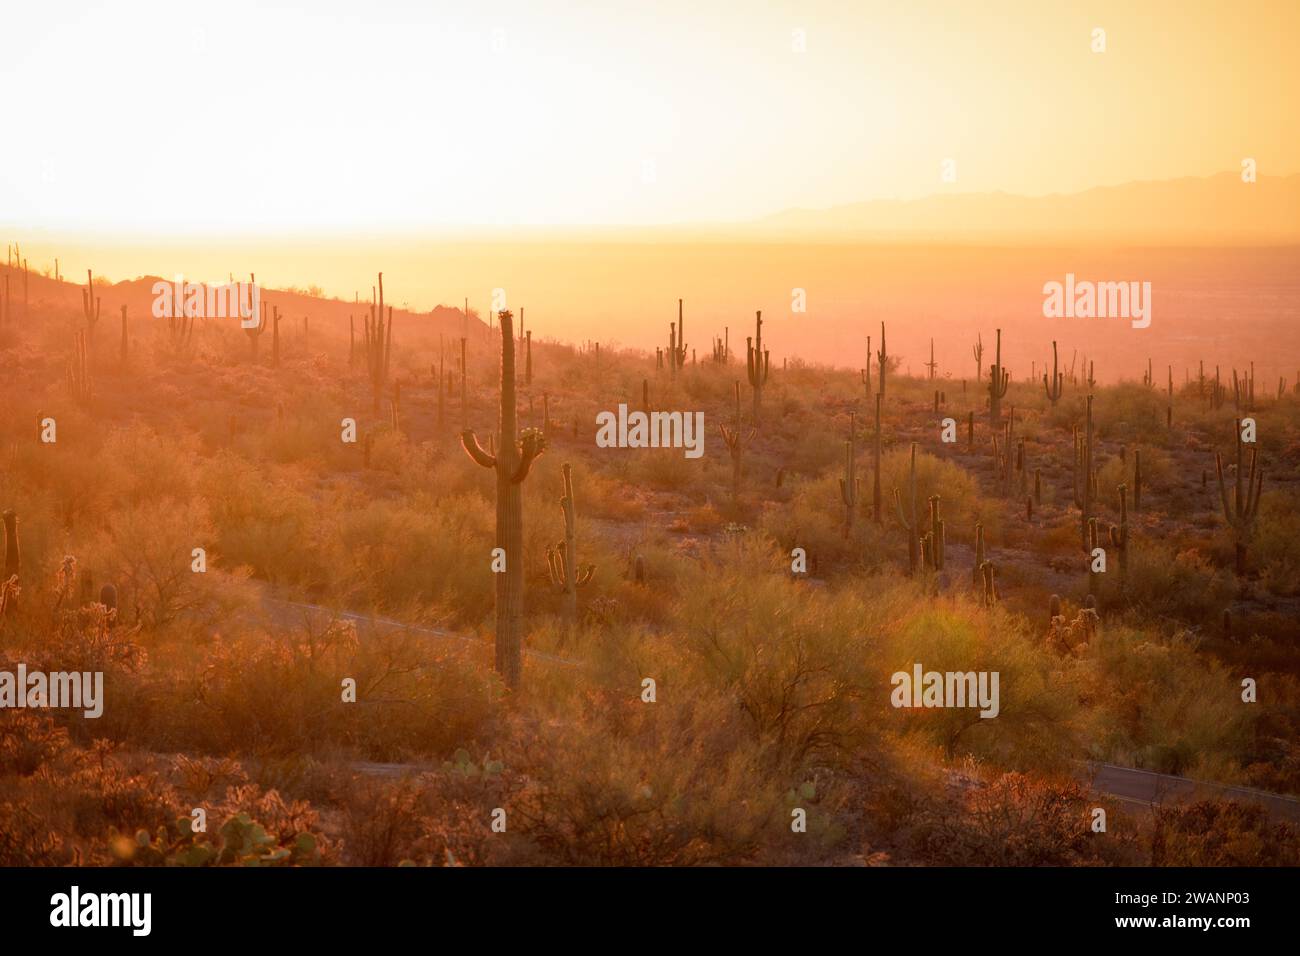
(530, 448)
(469, 441)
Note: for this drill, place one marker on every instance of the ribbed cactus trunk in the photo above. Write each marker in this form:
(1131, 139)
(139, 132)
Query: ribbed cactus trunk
(13, 560)
(570, 545)
(511, 460)
(510, 523)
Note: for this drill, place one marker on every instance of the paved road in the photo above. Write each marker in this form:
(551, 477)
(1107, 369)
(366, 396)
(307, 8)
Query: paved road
(1144, 788)
(286, 613)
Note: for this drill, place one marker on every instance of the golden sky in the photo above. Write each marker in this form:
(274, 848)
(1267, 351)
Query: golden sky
(274, 117)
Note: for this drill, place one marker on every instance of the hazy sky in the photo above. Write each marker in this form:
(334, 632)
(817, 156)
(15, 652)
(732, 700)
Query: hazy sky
(281, 116)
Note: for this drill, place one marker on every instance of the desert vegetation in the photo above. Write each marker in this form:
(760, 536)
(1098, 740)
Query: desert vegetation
(640, 657)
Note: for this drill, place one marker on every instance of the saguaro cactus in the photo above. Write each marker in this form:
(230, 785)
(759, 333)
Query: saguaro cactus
(254, 332)
(1241, 511)
(877, 511)
(90, 304)
(882, 358)
(511, 464)
(1083, 475)
(736, 443)
(932, 545)
(978, 351)
(562, 559)
(908, 519)
(1053, 384)
(1119, 536)
(999, 377)
(379, 345)
(677, 342)
(13, 557)
(850, 484)
(9, 580)
(932, 366)
(757, 364)
(79, 370)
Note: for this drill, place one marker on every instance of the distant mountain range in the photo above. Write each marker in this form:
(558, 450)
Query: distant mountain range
(1213, 209)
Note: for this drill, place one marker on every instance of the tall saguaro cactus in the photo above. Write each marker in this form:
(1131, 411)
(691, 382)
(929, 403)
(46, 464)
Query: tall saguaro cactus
(876, 509)
(562, 560)
(1083, 475)
(90, 304)
(908, 518)
(736, 443)
(999, 378)
(13, 565)
(757, 364)
(677, 342)
(1241, 511)
(850, 484)
(379, 345)
(1119, 536)
(512, 461)
(1053, 384)
(882, 357)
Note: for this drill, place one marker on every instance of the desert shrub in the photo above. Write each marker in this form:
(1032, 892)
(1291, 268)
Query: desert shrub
(1016, 821)
(259, 522)
(1158, 705)
(389, 554)
(1162, 583)
(1275, 547)
(1221, 833)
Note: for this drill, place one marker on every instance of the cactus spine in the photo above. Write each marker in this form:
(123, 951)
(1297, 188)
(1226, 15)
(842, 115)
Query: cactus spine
(511, 464)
